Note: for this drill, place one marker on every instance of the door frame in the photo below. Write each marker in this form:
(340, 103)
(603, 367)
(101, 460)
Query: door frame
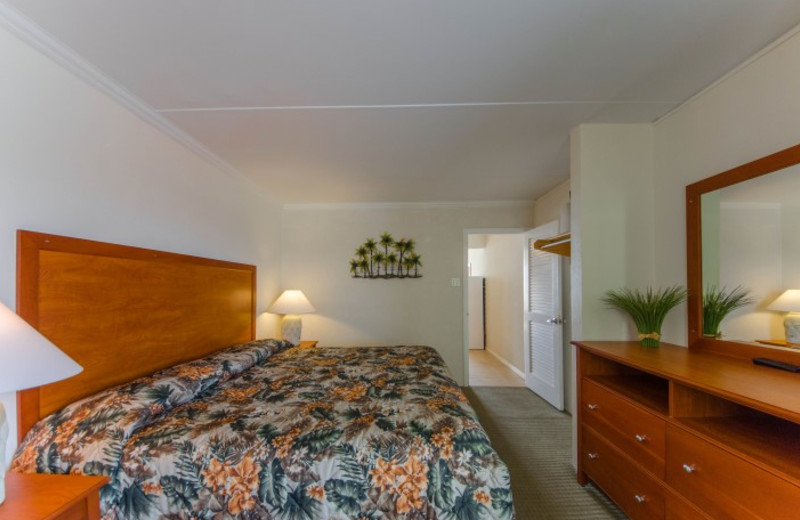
(465, 285)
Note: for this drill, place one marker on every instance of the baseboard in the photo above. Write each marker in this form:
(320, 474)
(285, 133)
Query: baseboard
(506, 363)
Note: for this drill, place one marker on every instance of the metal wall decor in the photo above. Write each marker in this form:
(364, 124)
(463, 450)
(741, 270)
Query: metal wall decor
(386, 258)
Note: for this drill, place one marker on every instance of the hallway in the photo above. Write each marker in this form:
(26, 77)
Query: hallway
(487, 370)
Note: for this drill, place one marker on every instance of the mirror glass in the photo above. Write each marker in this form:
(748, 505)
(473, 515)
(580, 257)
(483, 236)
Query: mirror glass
(751, 238)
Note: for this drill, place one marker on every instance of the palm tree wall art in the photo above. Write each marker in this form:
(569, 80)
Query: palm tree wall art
(386, 258)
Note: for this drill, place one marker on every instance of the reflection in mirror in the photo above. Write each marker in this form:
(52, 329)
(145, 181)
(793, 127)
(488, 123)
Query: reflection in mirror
(751, 237)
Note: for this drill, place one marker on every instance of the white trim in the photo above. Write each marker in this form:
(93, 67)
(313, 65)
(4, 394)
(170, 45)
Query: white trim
(506, 363)
(749, 61)
(413, 105)
(495, 231)
(407, 205)
(29, 32)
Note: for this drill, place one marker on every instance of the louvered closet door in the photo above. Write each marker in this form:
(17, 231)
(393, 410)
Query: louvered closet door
(544, 371)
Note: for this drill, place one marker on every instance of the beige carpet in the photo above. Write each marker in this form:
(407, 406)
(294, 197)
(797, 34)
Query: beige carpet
(534, 440)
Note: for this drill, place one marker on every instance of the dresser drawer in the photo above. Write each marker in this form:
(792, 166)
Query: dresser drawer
(724, 485)
(634, 491)
(680, 509)
(634, 430)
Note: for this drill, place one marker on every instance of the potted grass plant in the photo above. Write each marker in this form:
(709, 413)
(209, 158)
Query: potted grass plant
(718, 303)
(647, 308)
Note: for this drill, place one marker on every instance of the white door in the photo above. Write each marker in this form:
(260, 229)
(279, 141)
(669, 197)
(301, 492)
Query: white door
(544, 371)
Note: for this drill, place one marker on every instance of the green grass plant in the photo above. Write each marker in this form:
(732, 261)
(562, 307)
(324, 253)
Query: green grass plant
(647, 308)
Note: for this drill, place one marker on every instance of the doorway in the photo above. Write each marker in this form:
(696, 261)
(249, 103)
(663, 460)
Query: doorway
(493, 294)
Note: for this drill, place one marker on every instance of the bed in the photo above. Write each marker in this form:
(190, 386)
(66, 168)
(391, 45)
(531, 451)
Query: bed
(257, 430)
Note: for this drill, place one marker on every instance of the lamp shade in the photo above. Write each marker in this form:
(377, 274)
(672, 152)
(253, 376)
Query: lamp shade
(292, 302)
(27, 358)
(789, 301)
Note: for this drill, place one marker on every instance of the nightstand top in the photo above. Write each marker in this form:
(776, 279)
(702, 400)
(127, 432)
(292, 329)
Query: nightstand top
(33, 496)
(778, 343)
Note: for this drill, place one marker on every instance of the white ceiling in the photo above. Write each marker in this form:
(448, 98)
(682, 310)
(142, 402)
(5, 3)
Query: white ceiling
(408, 100)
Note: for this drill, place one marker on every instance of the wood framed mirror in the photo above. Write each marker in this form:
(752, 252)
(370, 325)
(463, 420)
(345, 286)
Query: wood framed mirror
(730, 218)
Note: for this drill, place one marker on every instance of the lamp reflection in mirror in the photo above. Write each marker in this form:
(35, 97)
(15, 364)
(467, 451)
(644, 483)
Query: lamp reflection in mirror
(789, 302)
(27, 359)
(291, 304)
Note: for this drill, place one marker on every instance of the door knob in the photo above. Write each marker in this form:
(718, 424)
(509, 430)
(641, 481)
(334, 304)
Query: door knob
(558, 320)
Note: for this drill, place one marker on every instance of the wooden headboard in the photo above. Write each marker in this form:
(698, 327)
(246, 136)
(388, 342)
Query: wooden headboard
(122, 312)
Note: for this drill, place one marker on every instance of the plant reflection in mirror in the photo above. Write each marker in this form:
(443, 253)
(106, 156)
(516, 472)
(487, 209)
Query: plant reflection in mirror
(718, 303)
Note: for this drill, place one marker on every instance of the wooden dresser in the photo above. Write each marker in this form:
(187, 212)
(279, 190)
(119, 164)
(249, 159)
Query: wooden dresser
(674, 434)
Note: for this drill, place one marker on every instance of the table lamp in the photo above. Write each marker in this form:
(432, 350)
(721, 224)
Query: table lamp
(291, 304)
(27, 359)
(789, 302)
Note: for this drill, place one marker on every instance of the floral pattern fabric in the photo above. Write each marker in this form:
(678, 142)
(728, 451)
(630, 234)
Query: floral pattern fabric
(301, 434)
(88, 436)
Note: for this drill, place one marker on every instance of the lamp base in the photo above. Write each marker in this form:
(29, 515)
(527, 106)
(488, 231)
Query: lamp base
(291, 328)
(791, 325)
(3, 438)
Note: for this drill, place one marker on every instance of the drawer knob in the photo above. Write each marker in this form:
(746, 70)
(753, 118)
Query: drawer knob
(689, 468)
(592, 407)
(593, 456)
(640, 499)
(640, 438)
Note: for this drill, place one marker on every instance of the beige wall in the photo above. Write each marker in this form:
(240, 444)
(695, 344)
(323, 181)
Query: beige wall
(76, 163)
(790, 246)
(551, 206)
(318, 241)
(612, 223)
(751, 113)
(504, 297)
(750, 244)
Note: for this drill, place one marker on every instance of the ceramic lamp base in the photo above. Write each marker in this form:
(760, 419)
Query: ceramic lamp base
(791, 325)
(291, 327)
(3, 438)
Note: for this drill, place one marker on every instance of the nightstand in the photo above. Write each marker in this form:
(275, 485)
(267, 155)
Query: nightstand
(308, 344)
(778, 343)
(33, 496)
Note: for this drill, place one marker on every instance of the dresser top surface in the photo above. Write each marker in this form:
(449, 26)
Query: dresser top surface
(767, 389)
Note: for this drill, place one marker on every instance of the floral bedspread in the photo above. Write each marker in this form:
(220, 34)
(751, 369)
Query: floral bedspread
(261, 431)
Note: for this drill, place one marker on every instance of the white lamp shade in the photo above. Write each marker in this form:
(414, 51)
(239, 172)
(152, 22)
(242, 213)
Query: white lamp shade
(789, 301)
(28, 359)
(291, 302)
